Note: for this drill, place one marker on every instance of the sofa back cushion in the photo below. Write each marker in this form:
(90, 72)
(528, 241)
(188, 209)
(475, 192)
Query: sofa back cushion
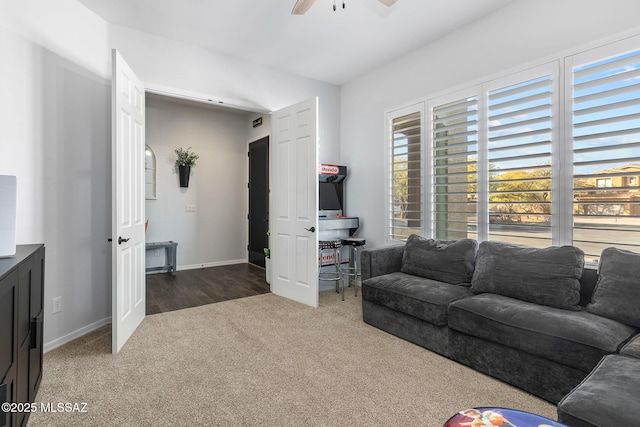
(549, 276)
(449, 261)
(617, 293)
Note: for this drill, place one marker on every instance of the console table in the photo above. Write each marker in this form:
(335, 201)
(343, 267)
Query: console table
(170, 250)
(21, 323)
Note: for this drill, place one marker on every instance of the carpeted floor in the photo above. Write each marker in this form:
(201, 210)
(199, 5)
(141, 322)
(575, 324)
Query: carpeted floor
(267, 361)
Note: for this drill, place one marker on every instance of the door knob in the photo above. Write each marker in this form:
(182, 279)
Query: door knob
(312, 229)
(121, 240)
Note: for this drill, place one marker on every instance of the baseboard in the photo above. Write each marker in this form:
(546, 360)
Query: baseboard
(211, 264)
(58, 342)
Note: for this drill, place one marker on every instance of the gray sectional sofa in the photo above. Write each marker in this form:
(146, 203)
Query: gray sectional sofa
(533, 318)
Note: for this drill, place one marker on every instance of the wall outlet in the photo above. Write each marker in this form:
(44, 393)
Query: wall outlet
(57, 305)
(190, 208)
(156, 252)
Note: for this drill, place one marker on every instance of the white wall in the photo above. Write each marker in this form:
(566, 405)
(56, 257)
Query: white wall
(56, 135)
(518, 35)
(215, 234)
(174, 65)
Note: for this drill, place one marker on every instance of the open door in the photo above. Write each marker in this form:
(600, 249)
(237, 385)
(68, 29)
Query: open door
(127, 183)
(294, 202)
(258, 200)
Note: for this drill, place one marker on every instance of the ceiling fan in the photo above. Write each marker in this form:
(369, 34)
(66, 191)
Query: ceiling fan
(301, 6)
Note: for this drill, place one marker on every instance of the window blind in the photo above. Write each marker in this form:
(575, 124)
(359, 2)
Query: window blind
(406, 180)
(455, 169)
(519, 143)
(606, 154)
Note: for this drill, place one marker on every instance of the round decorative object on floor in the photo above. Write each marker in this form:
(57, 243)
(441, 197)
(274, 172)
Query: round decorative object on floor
(499, 417)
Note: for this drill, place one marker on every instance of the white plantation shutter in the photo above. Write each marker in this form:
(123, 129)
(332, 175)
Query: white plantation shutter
(455, 168)
(526, 158)
(606, 153)
(519, 142)
(406, 165)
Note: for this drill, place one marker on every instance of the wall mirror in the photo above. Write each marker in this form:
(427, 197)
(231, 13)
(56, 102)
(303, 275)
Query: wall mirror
(149, 174)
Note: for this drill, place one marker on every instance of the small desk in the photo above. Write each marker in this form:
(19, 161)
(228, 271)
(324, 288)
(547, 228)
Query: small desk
(170, 250)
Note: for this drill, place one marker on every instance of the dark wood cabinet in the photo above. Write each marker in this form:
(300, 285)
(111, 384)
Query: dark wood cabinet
(21, 323)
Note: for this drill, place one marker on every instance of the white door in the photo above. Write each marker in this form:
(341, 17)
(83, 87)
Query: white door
(294, 207)
(128, 246)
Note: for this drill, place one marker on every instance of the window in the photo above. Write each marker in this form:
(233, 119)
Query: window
(603, 182)
(527, 158)
(492, 158)
(519, 143)
(606, 152)
(406, 174)
(455, 169)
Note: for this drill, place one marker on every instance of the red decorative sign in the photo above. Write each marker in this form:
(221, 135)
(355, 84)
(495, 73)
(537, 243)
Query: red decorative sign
(328, 169)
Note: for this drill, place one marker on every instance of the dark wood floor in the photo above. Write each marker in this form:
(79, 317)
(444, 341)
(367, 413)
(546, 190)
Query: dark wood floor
(191, 288)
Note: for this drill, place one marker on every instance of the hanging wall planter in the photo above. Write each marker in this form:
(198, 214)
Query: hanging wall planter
(186, 159)
(184, 171)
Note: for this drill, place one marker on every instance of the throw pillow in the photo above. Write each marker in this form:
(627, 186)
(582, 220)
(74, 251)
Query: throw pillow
(617, 293)
(548, 276)
(449, 261)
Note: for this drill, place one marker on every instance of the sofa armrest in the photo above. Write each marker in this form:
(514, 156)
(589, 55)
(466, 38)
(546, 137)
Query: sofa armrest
(380, 261)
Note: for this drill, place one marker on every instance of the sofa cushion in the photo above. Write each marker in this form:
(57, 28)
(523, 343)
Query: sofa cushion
(450, 261)
(632, 348)
(608, 396)
(549, 276)
(577, 339)
(617, 293)
(425, 299)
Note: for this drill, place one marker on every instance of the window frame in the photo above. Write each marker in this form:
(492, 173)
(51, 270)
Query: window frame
(580, 59)
(551, 68)
(473, 92)
(391, 115)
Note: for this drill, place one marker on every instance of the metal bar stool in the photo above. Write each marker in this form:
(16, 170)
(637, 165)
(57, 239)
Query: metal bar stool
(335, 276)
(355, 245)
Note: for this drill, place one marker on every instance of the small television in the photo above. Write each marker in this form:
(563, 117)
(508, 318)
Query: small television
(330, 196)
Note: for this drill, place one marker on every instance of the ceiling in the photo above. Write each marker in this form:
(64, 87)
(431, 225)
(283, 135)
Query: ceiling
(330, 46)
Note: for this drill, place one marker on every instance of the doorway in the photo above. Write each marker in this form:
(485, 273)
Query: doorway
(258, 200)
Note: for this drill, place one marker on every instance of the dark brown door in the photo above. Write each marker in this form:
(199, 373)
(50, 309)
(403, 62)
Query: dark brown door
(258, 200)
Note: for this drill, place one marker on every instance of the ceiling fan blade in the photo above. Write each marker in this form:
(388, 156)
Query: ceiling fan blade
(388, 2)
(302, 6)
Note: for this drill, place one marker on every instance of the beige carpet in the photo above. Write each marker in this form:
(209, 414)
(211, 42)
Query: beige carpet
(268, 361)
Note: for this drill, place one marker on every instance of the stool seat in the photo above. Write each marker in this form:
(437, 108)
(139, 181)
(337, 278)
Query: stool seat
(329, 244)
(354, 241)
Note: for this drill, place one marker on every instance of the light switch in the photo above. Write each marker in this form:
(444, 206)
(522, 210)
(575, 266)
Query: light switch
(190, 208)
